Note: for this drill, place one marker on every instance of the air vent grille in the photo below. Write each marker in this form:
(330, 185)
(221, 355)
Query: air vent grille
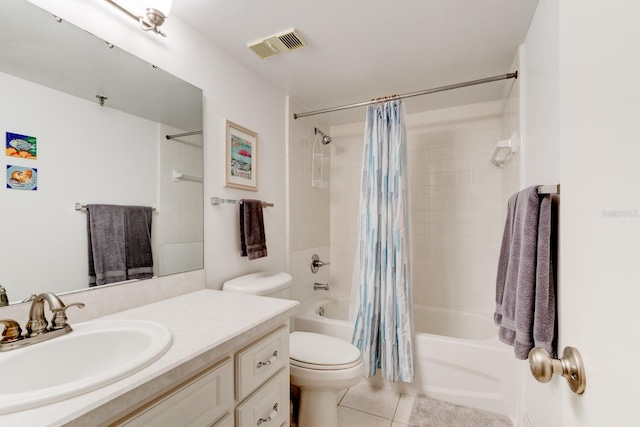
(291, 40)
(263, 49)
(272, 45)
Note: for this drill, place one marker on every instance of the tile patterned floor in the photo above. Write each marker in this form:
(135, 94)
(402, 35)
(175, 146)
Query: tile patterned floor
(368, 406)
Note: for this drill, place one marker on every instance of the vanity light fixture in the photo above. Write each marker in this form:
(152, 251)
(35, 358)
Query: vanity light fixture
(156, 11)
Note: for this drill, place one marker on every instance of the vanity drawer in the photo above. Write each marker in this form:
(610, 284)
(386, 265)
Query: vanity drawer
(198, 402)
(258, 362)
(269, 404)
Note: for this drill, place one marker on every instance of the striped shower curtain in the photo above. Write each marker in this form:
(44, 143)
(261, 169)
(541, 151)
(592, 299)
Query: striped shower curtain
(382, 274)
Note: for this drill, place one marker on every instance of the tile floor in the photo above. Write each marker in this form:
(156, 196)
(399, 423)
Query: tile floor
(368, 406)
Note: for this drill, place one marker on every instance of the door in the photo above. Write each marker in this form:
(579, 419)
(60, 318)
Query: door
(600, 220)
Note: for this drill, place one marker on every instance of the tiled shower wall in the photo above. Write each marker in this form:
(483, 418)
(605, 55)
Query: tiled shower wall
(456, 204)
(308, 213)
(180, 230)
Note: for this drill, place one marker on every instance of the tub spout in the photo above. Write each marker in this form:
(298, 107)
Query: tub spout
(320, 286)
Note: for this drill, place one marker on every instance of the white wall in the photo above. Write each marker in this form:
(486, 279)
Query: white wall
(542, 113)
(230, 92)
(48, 249)
(542, 402)
(512, 128)
(308, 212)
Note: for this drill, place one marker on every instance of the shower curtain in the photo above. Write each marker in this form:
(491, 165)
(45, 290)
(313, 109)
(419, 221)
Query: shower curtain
(382, 273)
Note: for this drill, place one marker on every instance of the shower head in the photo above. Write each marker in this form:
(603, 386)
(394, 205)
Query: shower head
(325, 138)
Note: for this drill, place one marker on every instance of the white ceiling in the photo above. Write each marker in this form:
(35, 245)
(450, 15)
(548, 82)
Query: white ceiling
(362, 49)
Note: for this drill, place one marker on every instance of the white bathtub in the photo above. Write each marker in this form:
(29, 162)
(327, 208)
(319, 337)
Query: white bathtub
(458, 357)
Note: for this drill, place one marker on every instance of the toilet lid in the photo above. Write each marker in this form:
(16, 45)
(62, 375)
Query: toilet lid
(317, 351)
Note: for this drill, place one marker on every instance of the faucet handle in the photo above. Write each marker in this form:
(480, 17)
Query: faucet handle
(316, 263)
(12, 331)
(59, 320)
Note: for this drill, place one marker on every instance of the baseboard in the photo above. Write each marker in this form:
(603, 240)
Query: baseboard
(524, 420)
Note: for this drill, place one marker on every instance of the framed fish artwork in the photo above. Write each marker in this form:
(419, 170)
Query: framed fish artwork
(242, 157)
(21, 146)
(21, 178)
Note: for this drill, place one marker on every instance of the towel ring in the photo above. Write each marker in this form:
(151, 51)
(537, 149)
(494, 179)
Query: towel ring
(570, 366)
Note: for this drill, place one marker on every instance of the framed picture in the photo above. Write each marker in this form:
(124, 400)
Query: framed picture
(241, 165)
(22, 146)
(21, 178)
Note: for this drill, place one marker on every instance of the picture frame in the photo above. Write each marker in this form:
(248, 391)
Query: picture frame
(241, 160)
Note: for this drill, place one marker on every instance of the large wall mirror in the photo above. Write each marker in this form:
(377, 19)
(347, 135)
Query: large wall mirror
(54, 77)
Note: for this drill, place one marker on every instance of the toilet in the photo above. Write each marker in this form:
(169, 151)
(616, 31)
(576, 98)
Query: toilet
(319, 365)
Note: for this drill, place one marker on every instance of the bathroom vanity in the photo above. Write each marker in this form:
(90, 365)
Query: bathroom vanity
(228, 366)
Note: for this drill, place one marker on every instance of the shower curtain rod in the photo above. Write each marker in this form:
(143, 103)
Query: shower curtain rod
(411, 94)
(177, 135)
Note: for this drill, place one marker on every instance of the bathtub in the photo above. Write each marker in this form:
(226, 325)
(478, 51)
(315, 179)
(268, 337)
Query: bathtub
(457, 357)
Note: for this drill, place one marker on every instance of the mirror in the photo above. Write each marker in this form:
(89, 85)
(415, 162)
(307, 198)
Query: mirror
(52, 75)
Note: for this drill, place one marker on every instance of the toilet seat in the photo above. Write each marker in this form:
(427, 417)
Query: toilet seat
(300, 364)
(321, 352)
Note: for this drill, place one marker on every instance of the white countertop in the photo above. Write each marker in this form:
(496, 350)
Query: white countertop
(206, 325)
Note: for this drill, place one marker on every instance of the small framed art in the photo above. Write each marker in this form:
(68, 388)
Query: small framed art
(22, 146)
(241, 164)
(21, 178)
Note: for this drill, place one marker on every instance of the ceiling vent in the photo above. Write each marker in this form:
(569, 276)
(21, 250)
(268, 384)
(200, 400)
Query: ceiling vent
(282, 42)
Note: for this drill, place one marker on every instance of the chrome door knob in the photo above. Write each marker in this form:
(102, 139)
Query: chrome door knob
(570, 366)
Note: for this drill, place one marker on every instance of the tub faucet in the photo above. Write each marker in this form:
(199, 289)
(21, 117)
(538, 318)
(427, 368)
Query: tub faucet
(316, 263)
(320, 286)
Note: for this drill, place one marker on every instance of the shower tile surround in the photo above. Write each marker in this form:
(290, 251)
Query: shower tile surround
(308, 212)
(180, 213)
(456, 202)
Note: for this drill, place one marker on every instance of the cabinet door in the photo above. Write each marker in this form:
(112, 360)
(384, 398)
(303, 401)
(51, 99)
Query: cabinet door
(258, 362)
(225, 422)
(268, 406)
(198, 402)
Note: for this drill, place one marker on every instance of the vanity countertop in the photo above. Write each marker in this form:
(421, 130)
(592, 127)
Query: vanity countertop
(206, 325)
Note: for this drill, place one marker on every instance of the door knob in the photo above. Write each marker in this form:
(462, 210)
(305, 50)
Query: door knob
(570, 366)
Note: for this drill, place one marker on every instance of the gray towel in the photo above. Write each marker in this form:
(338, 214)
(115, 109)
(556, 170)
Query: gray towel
(252, 238)
(106, 237)
(138, 251)
(525, 287)
(119, 243)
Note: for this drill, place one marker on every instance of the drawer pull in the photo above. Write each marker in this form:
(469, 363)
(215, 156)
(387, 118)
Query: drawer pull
(270, 361)
(271, 416)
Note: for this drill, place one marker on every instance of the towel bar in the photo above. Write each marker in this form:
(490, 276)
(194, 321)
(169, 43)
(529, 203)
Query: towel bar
(217, 200)
(549, 189)
(81, 207)
(570, 366)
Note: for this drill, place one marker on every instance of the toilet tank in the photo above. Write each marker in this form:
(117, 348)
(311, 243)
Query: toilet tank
(265, 283)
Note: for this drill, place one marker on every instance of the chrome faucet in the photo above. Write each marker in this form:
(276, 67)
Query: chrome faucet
(38, 324)
(38, 328)
(316, 263)
(320, 286)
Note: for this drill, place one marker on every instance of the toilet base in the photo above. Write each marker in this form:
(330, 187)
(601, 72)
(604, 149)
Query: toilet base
(317, 409)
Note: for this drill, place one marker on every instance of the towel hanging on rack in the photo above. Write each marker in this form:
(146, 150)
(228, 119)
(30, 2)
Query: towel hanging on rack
(525, 284)
(252, 238)
(119, 243)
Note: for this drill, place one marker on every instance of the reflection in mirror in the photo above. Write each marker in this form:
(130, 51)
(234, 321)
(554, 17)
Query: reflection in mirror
(52, 75)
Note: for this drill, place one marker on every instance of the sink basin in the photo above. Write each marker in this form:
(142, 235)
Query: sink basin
(93, 355)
